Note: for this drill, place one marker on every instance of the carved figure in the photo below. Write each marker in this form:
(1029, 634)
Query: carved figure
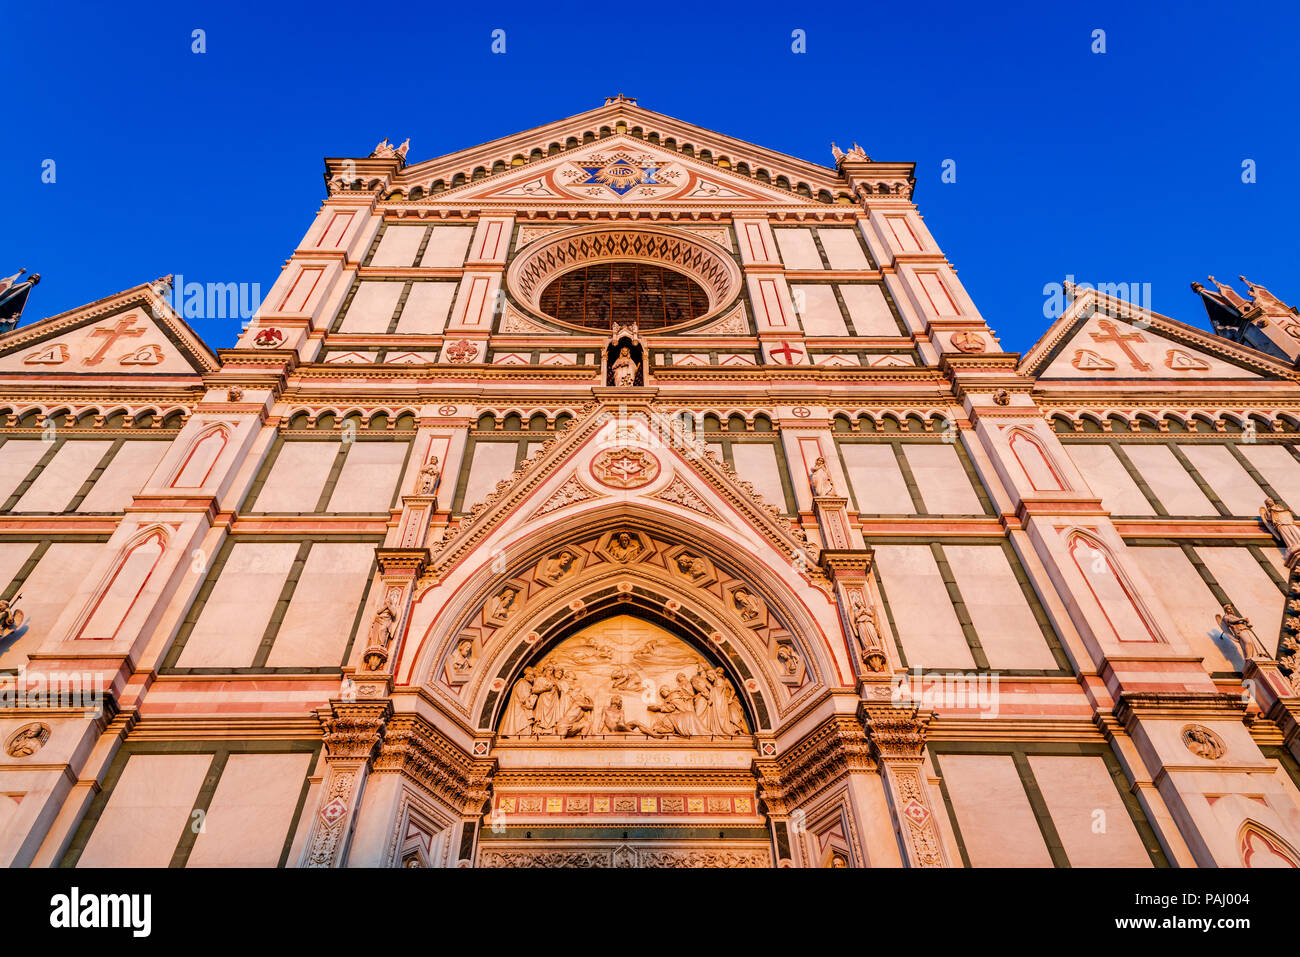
(623, 371)
(624, 547)
(820, 478)
(1240, 631)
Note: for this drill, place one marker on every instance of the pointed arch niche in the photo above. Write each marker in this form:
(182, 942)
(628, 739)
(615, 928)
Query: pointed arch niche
(470, 647)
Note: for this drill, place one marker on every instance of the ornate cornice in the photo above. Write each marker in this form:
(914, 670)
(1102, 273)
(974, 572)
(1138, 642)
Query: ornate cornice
(415, 748)
(836, 748)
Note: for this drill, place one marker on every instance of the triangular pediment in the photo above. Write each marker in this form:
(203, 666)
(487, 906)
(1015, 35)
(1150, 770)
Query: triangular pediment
(621, 170)
(1103, 337)
(134, 332)
(622, 452)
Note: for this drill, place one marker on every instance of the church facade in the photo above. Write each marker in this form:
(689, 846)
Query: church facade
(623, 494)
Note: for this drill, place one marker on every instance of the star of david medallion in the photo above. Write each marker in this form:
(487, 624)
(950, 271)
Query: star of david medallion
(621, 175)
(625, 468)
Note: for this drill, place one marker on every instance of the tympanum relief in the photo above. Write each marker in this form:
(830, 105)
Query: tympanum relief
(623, 677)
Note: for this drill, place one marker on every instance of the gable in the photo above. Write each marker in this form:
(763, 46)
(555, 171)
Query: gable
(1106, 347)
(132, 333)
(621, 170)
(605, 457)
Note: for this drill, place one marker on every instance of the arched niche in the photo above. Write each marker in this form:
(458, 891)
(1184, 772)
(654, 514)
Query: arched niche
(722, 599)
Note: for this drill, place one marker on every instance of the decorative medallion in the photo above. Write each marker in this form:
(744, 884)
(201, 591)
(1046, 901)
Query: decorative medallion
(620, 174)
(801, 411)
(1203, 742)
(461, 352)
(27, 740)
(333, 810)
(268, 338)
(625, 468)
(446, 410)
(968, 341)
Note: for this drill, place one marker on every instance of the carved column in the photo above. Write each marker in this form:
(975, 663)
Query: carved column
(353, 731)
(897, 737)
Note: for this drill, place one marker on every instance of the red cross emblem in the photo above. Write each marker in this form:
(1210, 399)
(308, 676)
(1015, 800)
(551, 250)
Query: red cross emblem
(788, 351)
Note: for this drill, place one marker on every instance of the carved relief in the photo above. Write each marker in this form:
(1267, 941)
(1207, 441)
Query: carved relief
(460, 664)
(747, 606)
(625, 855)
(623, 677)
(1203, 742)
(558, 566)
(625, 547)
(696, 569)
(27, 740)
(625, 468)
(680, 493)
(504, 605)
(570, 493)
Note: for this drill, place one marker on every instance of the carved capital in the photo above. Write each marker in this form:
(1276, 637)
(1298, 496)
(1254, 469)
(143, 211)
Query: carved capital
(895, 733)
(352, 730)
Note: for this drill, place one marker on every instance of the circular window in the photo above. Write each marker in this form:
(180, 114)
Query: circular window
(602, 294)
(591, 277)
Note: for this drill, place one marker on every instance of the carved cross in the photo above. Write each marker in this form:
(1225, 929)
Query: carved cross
(110, 336)
(1109, 333)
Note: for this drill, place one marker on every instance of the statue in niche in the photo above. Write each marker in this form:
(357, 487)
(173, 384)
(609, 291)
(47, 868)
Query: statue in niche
(788, 659)
(1239, 630)
(623, 356)
(518, 721)
(864, 621)
(1281, 524)
(820, 478)
(430, 476)
(381, 634)
(623, 371)
(624, 547)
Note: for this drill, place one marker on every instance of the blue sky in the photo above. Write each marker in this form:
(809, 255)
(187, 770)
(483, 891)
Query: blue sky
(1124, 166)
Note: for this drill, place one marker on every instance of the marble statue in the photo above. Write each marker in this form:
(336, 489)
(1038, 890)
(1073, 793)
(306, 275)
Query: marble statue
(1240, 631)
(623, 371)
(820, 478)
